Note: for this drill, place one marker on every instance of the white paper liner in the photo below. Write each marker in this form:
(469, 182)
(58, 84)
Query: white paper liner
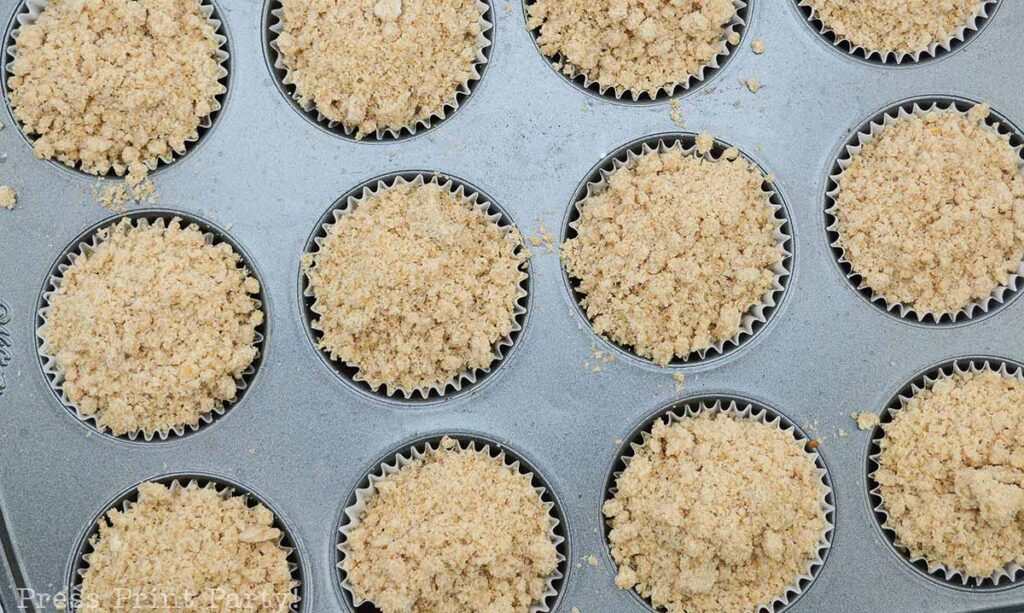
(29, 12)
(1010, 572)
(352, 515)
(959, 36)
(737, 25)
(758, 314)
(225, 490)
(55, 378)
(477, 202)
(763, 415)
(484, 40)
(866, 134)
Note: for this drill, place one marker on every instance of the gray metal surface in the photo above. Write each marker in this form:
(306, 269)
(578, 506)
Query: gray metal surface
(303, 438)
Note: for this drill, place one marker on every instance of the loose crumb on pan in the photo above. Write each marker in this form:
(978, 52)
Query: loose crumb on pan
(757, 46)
(379, 64)
(951, 472)
(675, 113)
(191, 544)
(875, 26)
(415, 286)
(716, 513)
(456, 530)
(866, 420)
(115, 85)
(632, 45)
(753, 84)
(8, 197)
(930, 213)
(673, 252)
(705, 143)
(152, 328)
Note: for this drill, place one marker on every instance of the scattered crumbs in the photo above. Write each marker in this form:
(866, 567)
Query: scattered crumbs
(675, 111)
(753, 84)
(842, 433)
(679, 379)
(543, 237)
(8, 197)
(770, 177)
(508, 8)
(734, 38)
(252, 452)
(709, 89)
(757, 46)
(135, 189)
(811, 426)
(865, 419)
(813, 443)
(1, 126)
(592, 560)
(576, 610)
(229, 226)
(618, 442)
(759, 148)
(705, 142)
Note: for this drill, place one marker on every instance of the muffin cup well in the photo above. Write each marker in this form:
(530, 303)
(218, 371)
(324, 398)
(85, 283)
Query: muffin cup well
(896, 58)
(225, 488)
(869, 131)
(422, 447)
(1008, 576)
(85, 244)
(745, 409)
(758, 315)
(28, 12)
(272, 27)
(473, 198)
(583, 82)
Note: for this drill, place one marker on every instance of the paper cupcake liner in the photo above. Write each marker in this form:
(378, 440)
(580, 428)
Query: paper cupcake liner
(959, 36)
(225, 489)
(747, 410)
(581, 80)
(29, 12)
(85, 244)
(758, 315)
(273, 26)
(1010, 573)
(866, 134)
(420, 448)
(473, 198)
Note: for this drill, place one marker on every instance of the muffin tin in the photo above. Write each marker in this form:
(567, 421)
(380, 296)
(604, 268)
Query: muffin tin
(304, 438)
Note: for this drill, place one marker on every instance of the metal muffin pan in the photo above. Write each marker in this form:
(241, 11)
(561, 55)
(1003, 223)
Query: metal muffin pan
(303, 438)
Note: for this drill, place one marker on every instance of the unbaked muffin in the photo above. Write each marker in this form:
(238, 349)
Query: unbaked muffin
(381, 65)
(674, 250)
(453, 531)
(951, 473)
(633, 45)
(187, 548)
(930, 212)
(116, 85)
(415, 286)
(716, 513)
(152, 328)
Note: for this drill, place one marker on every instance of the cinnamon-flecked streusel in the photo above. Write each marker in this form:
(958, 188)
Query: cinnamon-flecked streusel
(930, 213)
(152, 328)
(187, 548)
(716, 513)
(415, 286)
(454, 531)
(379, 64)
(633, 45)
(951, 473)
(674, 251)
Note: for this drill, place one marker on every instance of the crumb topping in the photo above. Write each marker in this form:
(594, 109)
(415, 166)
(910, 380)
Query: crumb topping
(379, 64)
(874, 25)
(866, 420)
(716, 513)
(931, 212)
(674, 251)
(8, 197)
(187, 548)
(153, 328)
(951, 471)
(634, 45)
(456, 530)
(415, 286)
(115, 85)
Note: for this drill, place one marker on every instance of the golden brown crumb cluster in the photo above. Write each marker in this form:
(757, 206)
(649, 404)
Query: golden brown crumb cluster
(716, 513)
(454, 531)
(931, 211)
(153, 328)
(951, 471)
(115, 84)
(876, 26)
(634, 45)
(379, 64)
(415, 286)
(674, 252)
(187, 549)
(8, 197)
